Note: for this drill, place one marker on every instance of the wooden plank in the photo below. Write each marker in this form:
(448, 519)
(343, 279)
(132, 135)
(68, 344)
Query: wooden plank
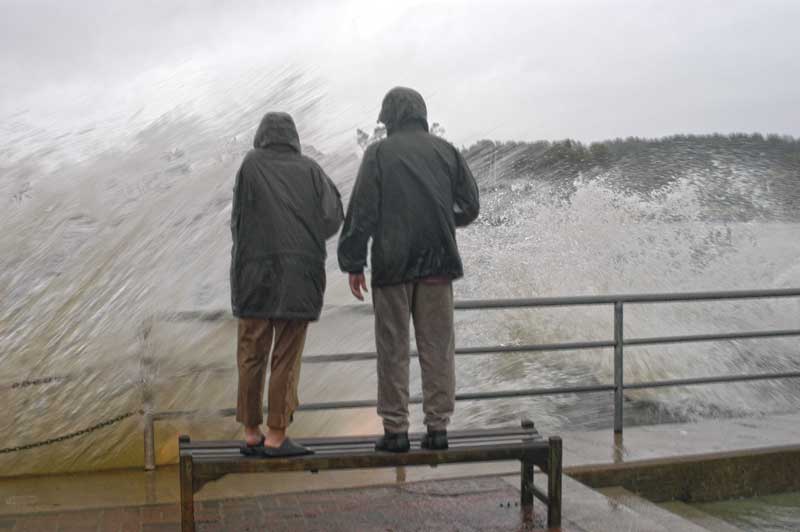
(214, 468)
(417, 436)
(211, 455)
(376, 459)
(367, 453)
(324, 461)
(369, 439)
(349, 449)
(205, 453)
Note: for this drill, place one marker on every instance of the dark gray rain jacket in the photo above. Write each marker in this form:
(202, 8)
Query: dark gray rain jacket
(413, 189)
(284, 208)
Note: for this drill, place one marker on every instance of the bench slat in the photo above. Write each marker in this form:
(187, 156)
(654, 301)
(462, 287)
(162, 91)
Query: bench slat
(353, 447)
(234, 454)
(486, 434)
(214, 466)
(477, 440)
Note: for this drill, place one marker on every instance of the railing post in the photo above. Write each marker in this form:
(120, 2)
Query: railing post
(186, 465)
(618, 367)
(149, 442)
(146, 375)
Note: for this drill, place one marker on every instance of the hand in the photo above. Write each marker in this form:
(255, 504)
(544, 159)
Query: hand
(357, 283)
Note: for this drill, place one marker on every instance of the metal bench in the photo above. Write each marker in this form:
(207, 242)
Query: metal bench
(202, 462)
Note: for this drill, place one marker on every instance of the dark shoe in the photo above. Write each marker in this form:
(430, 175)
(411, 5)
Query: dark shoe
(287, 448)
(435, 440)
(393, 442)
(253, 450)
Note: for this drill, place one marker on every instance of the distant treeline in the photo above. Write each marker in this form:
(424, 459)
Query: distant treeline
(662, 158)
(639, 164)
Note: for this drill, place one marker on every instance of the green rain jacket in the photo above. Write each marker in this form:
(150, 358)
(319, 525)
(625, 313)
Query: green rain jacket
(284, 209)
(413, 189)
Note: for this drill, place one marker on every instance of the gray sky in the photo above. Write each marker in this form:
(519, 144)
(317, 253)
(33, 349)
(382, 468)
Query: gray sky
(502, 70)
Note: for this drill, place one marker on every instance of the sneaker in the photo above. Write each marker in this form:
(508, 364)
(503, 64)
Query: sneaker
(435, 440)
(393, 442)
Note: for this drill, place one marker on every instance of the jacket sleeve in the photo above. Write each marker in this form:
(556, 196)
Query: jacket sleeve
(465, 194)
(362, 215)
(236, 215)
(330, 205)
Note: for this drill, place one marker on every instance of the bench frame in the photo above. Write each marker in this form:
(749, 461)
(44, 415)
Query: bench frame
(202, 462)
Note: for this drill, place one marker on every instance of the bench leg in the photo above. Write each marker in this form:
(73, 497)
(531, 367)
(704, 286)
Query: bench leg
(187, 494)
(554, 483)
(526, 490)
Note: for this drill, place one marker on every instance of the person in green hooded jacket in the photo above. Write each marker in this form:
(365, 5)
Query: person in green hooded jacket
(284, 209)
(412, 190)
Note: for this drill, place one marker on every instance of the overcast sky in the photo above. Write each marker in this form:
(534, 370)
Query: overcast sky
(503, 70)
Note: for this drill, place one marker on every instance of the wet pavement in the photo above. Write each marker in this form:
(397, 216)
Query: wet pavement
(387, 499)
(467, 504)
(486, 503)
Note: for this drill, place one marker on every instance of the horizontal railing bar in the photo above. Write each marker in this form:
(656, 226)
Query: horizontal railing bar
(530, 392)
(370, 403)
(484, 304)
(371, 355)
(624, 298)
(476, 304)
(463, 351)
(469, 351)
(196, 315)
(709, 296)
(564, 346)
(712, 380)
(710, 337)
(342, 357)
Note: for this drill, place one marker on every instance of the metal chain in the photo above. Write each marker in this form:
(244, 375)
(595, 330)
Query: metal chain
(49, 380)
(35, 382)
(64, 437)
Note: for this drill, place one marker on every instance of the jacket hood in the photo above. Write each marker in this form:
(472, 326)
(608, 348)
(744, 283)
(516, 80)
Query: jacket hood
(277, 128)
(402, 105)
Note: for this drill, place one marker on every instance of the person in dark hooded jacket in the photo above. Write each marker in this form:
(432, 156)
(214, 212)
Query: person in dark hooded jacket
(413, 189)
(284, 209)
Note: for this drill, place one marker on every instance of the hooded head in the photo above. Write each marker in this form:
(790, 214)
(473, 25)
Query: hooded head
(402, 106)
(277, 128)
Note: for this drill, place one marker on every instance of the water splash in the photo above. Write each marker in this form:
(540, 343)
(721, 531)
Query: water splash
(603, 240)
(124, 216)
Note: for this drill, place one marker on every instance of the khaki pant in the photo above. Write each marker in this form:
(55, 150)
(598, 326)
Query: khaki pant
(431, 307)
(253, 354)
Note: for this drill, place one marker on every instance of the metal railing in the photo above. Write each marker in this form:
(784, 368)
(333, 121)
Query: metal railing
(618, 343)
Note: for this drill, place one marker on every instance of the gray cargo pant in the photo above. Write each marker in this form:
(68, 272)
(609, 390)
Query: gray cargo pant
(431, 307)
